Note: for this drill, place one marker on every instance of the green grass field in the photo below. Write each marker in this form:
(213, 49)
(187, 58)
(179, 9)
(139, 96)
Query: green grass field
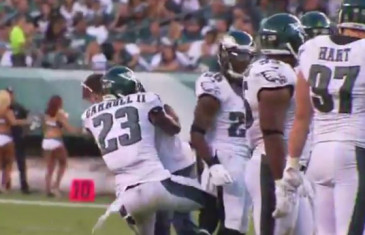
(56, 220)
(19, 216)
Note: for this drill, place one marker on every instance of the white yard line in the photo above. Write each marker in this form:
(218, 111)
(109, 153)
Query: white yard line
(54, 204)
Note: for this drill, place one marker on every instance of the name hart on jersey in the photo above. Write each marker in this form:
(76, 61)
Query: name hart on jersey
(334, 55)
(97, 108)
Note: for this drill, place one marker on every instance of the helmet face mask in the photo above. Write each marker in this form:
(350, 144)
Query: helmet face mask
(352, 15)
(236, 51)
(86, 91)
(313, 32)
(281, 34)
(270, 44)
(92, 88)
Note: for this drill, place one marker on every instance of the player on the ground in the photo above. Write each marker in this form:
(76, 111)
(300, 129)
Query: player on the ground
(218, 133)
(123, 124)
(331, 93)
(269, 86)
(316, 23)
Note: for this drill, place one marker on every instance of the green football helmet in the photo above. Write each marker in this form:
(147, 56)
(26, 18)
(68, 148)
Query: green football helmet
(316, 23)
(120, 81)
(352, 15)
(281, 34)
(236, 50)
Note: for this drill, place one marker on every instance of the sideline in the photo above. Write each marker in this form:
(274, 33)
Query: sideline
(54, 204)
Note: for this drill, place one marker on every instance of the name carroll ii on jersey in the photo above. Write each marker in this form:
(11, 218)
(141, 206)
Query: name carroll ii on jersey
(140, 98)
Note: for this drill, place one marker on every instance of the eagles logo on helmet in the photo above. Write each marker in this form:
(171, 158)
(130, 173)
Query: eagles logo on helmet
(316, 23)
(236, 50)
(120, 81)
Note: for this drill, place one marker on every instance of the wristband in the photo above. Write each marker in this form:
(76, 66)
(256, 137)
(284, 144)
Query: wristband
(293, 162)
(197, 129)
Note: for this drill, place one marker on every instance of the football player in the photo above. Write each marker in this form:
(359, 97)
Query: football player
(331, 93)
(218, 133)
(269, 86)
(177, 157)
(123, 124)
(316, 23)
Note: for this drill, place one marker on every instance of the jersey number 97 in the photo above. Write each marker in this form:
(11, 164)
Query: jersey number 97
(319, 79)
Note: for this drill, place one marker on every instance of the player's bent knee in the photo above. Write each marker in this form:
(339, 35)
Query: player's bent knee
(127, 217)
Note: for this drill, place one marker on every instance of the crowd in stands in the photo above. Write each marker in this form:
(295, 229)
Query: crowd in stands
(145, 35)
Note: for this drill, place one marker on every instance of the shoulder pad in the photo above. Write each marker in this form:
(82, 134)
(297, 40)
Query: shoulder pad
(84, 119)
(83, 115)
(152, 99)
(211, 76)
(305, 57)
(272, 73)
(209, 83)
(150, 96)
(304, 47)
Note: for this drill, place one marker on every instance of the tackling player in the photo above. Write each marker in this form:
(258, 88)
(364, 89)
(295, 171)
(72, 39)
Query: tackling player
(331, 93)
(269, 86)
(123, 124)
(177, 157)
(218, 132)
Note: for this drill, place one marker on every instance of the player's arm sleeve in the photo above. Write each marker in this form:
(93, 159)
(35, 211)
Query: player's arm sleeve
(85, 121)
(154, 101)
(158, 117)
(208, 85)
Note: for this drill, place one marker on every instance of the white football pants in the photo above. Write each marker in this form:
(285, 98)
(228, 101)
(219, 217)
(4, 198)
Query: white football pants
(236, 200)
(174, 194)
(337, 170)
(261, 187)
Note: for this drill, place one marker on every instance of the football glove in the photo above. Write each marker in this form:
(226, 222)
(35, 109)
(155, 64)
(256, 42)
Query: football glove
(292, 174)
(219, 175)
(306, 188)
(285, 195)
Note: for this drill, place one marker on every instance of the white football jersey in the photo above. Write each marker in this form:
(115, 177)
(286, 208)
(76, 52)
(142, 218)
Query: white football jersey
(229, 130)
(336, 74)
(126, 138)
(267, 73)
(174, 154)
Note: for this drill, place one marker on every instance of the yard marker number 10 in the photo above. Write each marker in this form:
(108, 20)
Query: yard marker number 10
(82, 190)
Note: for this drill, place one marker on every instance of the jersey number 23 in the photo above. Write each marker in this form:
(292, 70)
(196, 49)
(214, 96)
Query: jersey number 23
(107, 121)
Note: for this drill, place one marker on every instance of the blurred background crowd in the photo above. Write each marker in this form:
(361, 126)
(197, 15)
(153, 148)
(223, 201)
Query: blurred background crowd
(145, 35)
